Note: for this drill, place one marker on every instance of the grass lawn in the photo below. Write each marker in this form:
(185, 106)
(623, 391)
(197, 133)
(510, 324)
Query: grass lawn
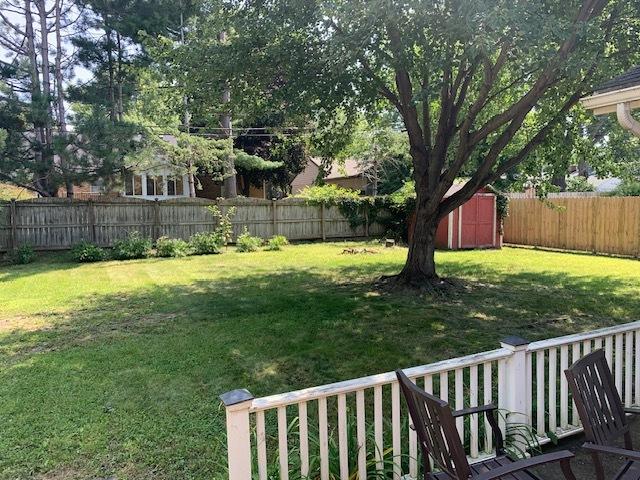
(113, 369)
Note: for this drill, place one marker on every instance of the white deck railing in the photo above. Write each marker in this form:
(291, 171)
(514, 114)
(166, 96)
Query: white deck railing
(361, 426)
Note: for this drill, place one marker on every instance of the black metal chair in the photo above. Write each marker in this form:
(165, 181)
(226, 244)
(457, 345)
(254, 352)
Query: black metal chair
(434, 423)
(602, 414)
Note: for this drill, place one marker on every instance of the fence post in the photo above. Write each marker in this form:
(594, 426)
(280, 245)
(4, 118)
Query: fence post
(12, 223)
(275, 216)
(322, 214)
(156, 220)
(237, 404)
(92, 220)
(513, 397)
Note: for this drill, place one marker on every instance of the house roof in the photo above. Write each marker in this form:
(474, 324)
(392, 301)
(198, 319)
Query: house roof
(350, 168)
(630, 78)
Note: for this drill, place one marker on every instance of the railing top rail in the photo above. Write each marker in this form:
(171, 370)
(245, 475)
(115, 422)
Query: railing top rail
(350, 386)
(579, 337)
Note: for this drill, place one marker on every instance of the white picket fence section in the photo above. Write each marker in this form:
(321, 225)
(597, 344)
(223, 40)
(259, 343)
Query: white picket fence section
(311, 433)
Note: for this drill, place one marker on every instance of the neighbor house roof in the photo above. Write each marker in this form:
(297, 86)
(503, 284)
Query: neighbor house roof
(350, 168)
(630, 78)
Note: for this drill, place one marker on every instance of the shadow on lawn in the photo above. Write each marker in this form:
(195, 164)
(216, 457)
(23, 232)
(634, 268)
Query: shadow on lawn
(296, 327)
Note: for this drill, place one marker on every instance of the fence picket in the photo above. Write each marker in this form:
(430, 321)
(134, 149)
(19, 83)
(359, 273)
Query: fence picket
(343, 445)
(361, 433)
(283, 450)
(303, 430)
(261, 446)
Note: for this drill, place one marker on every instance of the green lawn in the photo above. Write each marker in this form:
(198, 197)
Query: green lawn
(113, 369)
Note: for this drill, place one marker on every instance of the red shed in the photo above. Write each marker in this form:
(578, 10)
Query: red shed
(479, 228)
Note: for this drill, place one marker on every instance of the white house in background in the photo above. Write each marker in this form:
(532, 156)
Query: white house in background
(157, 182)
(160, 184)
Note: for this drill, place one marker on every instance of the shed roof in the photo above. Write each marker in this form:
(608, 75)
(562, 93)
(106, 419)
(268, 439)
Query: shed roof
(630, 78)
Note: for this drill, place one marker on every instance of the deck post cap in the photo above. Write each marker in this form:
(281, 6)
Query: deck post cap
(514, 342)
(235, 397)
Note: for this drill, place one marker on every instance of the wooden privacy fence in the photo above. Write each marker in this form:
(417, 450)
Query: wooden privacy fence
(59, 223)
(594, 224)
(359, 428)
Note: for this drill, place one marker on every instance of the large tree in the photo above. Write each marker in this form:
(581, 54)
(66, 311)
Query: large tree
(478, 84)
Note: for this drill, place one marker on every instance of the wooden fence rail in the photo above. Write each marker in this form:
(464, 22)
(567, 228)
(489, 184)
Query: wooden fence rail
(593, 224)
(58, 223)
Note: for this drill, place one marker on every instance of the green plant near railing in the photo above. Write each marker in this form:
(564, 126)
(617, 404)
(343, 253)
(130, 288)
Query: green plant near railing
(373, 471)
(520, 439)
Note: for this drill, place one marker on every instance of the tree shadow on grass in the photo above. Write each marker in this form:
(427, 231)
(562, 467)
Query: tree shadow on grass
(134, 377)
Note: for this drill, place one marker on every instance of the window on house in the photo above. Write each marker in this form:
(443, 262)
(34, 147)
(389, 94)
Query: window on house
(128, 184)
(151, 185)
(137, 184)
(174, 186)
(159, 185)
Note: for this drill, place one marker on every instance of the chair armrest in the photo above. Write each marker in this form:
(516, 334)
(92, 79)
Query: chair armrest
(562, 456)
(470, 411)
(623, 452)
(632, 410)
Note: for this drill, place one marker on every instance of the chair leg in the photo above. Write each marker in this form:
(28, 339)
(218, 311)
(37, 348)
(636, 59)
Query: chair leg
(565, 465)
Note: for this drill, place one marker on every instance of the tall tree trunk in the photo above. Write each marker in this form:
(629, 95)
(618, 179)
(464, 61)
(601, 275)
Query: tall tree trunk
(186, 120)
(62, 121)
(229, 183)
(36, 96)
(47, 152)
(420, 267)
(112, 95)
(119, 78)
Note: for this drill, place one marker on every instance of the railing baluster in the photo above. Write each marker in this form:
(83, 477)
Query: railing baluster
(540, 391)
(487, 392)
(473, 402)
(377, 425)
(261, 445)
(628, 369)
(395, 430)
(459, 399)
(324, 438)
(586, 347)
(564, 387)
(362, 434)
(553, 424)
(303, 429)
(444, 386)
(608, 351)
(619, 355)
(283, 451)
(637, 368)
(428, 382)
(529, 399)
(502, 393)
(413, 449)
(575, 356)
(343, 445)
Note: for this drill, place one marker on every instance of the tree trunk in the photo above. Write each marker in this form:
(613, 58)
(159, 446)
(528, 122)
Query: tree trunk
(420, 267)
(229, 183)
(62, 121)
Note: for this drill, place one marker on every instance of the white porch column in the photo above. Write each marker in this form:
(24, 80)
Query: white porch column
(517, 378)
(237, 404)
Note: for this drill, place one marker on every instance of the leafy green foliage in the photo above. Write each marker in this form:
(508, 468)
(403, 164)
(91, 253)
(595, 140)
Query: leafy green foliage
(328, 194)
(224, 229)
(579, 184)
(134, 246)
(172, 247)
(22, 255)
(277, 242)
(206, 243)
(247, 242)
(87, 252)
(628, 188)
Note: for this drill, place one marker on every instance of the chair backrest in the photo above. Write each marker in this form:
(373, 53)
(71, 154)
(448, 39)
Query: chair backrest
(597, 399)
(436, 430)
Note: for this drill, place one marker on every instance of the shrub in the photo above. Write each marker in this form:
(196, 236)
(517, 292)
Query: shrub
(224, 229)
(579, 184)
(277, 242)
(205, 243)
(22, 255)
(247, 243)
(328, 194)
(172, 247)
(88, 252)
(628, 188)
(134, 246)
